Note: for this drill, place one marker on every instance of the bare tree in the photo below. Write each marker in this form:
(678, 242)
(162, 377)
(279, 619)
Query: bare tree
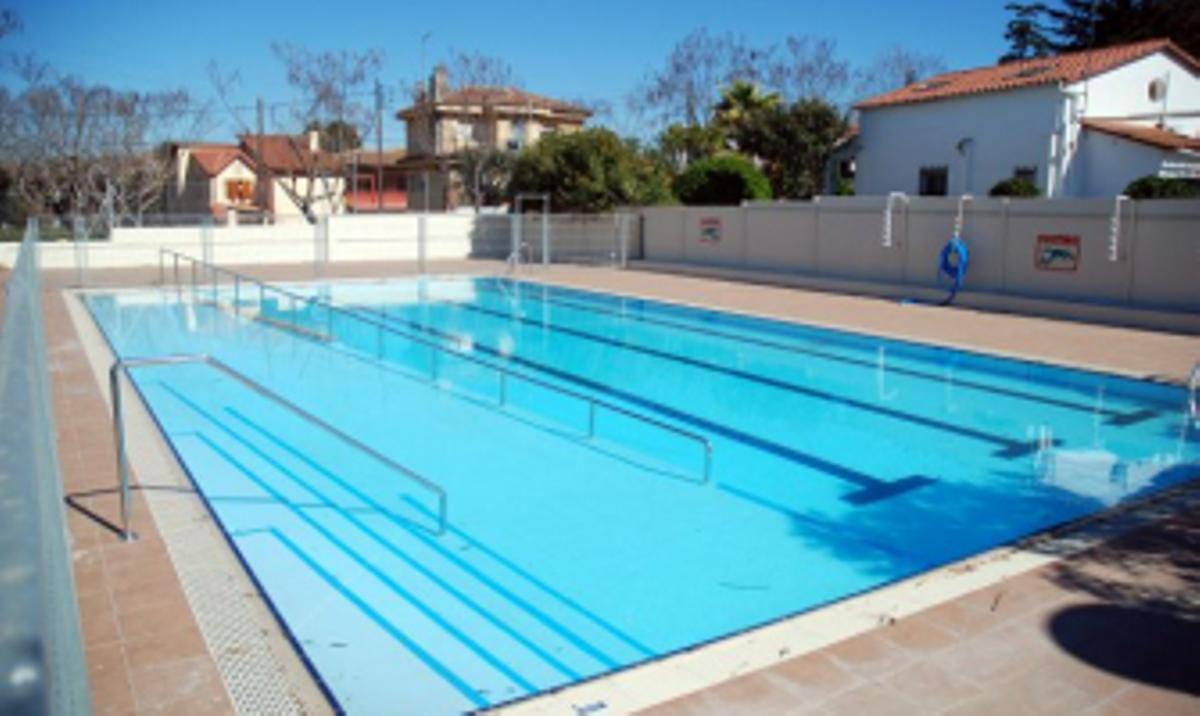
(82, 149)
(333, 89)
(477, 69)
(894, 68)
(486, 173)
(687, 86)
(809, 68)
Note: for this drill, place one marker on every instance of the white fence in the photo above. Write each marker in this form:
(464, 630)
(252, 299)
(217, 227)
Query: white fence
(1148, 257)
(362, 237)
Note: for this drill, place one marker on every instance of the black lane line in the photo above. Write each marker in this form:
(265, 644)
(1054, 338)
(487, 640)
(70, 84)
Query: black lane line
(1008, 448)
(1115, 417)
(872, 488)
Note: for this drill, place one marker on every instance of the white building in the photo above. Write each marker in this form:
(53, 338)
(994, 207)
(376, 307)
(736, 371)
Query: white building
(1083, 124)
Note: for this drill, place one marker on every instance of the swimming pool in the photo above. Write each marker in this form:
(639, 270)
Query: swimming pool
(572, 433)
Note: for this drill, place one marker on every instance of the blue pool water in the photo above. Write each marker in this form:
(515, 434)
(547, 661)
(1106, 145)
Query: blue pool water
(584, 539)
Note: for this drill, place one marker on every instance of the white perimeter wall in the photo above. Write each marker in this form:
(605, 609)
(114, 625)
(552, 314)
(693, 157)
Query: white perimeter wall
(1157, 265)
(354, 237)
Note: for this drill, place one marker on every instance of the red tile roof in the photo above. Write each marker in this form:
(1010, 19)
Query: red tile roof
(284, 153)
(1144, 134)
(1070, 67)
(213, 158)
(501, 97)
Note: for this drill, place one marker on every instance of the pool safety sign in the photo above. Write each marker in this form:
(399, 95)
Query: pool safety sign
(710, 229)
(1056, 252)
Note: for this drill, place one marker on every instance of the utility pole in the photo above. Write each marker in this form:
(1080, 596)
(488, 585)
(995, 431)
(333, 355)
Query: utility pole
(260, 186)
(378, 145)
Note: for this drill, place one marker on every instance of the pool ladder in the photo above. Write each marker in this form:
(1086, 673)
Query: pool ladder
(121, 367)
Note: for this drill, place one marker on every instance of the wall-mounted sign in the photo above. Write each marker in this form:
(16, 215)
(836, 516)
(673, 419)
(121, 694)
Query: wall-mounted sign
(1056, 252)
(710, 229)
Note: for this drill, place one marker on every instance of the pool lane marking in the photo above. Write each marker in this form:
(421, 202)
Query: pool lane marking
(538, 615)
(1116, 416)
(873, 488)
(465, 639)
(520, 571)
(1009, 448)
(381, 621)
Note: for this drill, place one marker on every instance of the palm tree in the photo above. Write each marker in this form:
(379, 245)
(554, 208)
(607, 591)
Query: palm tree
(739, 101)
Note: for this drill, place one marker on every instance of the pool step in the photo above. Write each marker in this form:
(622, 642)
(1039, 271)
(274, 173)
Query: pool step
(458, 611)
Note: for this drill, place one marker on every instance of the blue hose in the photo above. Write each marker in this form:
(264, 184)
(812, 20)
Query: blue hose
(952, 263)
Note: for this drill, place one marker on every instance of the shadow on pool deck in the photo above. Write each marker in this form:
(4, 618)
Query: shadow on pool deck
(1110, 630)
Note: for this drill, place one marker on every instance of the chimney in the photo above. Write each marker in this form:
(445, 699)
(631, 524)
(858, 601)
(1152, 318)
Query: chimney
(439, 83)
(314, 141)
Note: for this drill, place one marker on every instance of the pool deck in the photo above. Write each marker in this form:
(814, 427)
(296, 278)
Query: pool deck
(1108, 630)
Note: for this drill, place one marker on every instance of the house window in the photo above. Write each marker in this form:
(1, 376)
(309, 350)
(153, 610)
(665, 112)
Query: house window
(933, 181)
(1029, 174)
(239, 191)
(516, 137)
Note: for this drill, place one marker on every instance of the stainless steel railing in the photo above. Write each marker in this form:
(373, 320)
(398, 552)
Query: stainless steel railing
(121, 367)
(378, 320)
(1193, 391)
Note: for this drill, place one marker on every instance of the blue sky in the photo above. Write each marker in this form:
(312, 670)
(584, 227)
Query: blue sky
(568, 49)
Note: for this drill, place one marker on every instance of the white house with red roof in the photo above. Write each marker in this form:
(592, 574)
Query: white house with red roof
(278, 175)
(1082, 124)
(210, 179)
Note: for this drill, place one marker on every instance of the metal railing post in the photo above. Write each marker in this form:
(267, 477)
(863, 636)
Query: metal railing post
(422, 243)
(114, 388)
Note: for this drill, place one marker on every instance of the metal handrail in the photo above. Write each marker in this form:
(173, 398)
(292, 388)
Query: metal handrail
(513, 262)
(122, 366)
(382, 326)
(1193, 390)
(238, 279)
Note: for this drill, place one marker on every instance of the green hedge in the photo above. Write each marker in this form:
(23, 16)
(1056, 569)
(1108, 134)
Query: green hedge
(1015, 186)
(722, 180)
(1152, 187)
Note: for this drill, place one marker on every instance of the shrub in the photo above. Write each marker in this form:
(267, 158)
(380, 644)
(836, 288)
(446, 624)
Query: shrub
(1015, 186)
(590, 171)
(722, 180)
(1152, 187)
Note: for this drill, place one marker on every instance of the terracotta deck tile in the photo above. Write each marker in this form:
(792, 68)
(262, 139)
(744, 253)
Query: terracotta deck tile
(930, 686)
(100, 628)
(815, 677)
(869, 656)
(872, 698)
(183, 681)
(752, 694)
(153, 650)
(108, 677)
